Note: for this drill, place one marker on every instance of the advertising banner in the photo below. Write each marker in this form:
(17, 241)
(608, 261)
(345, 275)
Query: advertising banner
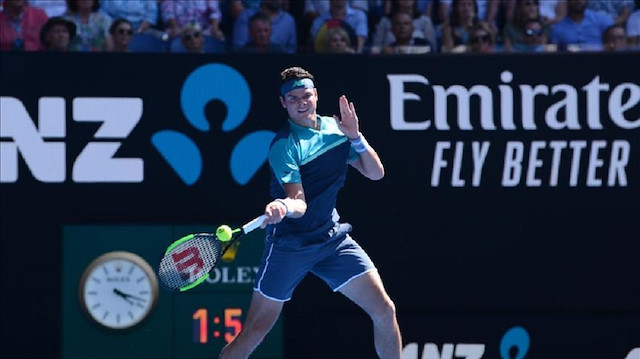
(509, 205)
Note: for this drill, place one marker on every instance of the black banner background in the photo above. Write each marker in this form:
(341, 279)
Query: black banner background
(542, 257)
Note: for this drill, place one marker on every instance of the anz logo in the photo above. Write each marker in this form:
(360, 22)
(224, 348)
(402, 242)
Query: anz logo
(207, 83)
(513, 345)
(43, 147)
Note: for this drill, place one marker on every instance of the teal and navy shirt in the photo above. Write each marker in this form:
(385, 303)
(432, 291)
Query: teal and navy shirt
(318, 159)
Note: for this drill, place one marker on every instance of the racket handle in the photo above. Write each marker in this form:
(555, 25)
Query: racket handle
(253, 224)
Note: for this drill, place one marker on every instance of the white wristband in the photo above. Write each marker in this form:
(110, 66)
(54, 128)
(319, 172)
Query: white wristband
(360, 144)
(284, 203)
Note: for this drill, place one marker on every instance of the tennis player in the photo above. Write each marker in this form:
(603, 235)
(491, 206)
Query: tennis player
(308, 160)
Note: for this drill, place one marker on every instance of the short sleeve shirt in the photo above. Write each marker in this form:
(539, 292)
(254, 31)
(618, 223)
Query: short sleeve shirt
(318, 160)
(588, 31)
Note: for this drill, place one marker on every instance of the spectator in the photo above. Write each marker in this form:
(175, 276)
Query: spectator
(236, 7)
(283, 26)
(141, 14)
(192, 38)
(339, 41)
(51, 7)
(424, 6)
(514, 33)
(20, 26)
(177, 13)
(340, 10)
(535, 38)
(614, 38)
(321, 41)
(486, 10)
(437, 10)
(482, 39)
(456, 31)
(581, 29)
(231, 9)
(552, 11)
(313, 8)
(121, 32)
(421, 24)
(57, 33)
(633, 27)
(92, 26)
(405, 41)
(260, 34)
(617, 10)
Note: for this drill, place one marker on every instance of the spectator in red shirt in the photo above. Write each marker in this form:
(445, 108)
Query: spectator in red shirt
(20, 26)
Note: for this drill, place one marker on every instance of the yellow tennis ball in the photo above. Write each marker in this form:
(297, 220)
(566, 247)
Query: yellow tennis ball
(224, 233)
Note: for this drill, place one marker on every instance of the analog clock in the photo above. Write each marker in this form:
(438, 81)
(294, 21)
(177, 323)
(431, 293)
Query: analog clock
(118, 290)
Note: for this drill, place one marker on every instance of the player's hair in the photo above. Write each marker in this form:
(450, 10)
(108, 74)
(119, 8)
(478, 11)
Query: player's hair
(296, 72)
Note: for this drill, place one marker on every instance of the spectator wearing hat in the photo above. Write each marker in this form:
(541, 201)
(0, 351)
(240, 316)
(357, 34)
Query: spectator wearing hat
(57, 33)
(20, 26)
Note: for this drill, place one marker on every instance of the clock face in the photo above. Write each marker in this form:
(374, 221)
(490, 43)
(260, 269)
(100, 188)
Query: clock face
(118, 290)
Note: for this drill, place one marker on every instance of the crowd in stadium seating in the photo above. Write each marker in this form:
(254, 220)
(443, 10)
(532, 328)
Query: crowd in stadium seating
(420, 27)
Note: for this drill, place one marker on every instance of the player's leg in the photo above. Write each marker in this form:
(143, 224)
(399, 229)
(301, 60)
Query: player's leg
(368, 292)
(262, 315)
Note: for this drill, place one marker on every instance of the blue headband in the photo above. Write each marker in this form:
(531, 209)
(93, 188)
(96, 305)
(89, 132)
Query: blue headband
(296, 84)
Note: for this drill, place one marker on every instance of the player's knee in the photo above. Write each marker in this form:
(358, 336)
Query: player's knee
(385, 312)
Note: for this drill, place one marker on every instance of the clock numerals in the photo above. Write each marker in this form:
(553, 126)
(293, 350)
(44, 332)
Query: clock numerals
(232, 325)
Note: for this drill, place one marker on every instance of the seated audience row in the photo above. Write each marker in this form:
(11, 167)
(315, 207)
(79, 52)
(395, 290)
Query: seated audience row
(323, 26)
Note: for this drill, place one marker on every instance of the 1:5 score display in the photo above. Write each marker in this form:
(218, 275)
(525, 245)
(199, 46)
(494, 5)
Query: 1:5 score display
(203, 323)
(228, 326)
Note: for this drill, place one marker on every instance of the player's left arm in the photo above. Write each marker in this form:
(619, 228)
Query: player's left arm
(368, 162)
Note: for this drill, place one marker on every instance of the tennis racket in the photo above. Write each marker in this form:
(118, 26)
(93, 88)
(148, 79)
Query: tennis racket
(188, 261)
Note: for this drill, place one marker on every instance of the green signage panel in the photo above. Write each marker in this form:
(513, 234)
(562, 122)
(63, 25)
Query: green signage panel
(113, 308)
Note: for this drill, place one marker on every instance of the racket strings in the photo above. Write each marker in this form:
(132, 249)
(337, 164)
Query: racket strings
(189, 261)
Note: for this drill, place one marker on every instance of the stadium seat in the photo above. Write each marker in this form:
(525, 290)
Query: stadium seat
(211, 45)
(147, 43)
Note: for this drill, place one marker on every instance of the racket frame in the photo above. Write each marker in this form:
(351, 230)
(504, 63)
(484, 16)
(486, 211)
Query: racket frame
(248, 227)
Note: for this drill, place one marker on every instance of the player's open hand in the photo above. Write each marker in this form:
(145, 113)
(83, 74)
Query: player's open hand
(348, 121)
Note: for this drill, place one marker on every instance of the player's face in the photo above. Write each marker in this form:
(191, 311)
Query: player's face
(301, 103)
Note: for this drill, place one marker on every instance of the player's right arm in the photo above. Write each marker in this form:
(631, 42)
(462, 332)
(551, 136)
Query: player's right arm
(293, 205)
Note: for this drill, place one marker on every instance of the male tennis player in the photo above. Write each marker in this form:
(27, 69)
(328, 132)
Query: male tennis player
(308, 160)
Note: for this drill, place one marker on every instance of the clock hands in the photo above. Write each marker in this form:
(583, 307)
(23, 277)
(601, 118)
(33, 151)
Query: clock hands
(126, 296)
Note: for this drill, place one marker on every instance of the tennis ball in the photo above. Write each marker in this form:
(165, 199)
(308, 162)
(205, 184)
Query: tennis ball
(224, 233)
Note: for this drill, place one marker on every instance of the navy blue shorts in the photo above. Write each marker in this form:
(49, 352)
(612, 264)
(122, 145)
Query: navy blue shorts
(336, 261)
